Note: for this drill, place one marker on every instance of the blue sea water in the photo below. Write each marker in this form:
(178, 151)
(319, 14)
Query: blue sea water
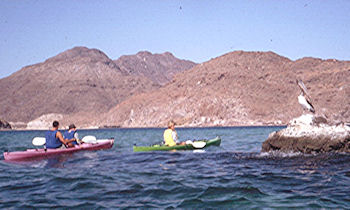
(234, 175)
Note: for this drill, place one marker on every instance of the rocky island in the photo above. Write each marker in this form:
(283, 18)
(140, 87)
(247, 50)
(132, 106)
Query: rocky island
(310, 134)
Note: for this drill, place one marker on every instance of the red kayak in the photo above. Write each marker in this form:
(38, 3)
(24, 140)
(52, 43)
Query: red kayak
(42, 153)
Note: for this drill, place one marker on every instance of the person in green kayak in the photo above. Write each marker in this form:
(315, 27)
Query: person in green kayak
(54, 138)
(72, 135)
(170, 135)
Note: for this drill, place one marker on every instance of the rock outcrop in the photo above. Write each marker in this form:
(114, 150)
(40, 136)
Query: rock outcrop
(44, 122)
(309, 134)
(4, 124)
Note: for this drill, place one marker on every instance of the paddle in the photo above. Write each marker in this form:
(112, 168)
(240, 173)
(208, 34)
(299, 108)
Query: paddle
(197, 144)
(89, 139)
(38, 141)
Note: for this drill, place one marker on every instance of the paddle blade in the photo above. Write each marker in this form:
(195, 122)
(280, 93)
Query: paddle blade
(189, 142)
(89, 139)
(39, 141)
(199, 144)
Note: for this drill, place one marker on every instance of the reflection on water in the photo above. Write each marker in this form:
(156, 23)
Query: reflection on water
(57, 161)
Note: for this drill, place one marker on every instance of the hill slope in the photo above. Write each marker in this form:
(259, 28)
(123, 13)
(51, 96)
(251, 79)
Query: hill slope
(79, 80)
(240, 88)
(84, 86)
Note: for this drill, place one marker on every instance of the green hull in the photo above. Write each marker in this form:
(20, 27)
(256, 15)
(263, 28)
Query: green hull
(214, 142)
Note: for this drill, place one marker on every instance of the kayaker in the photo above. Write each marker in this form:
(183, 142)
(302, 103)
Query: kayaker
(170, 135)
(54, 138)
(72, 134)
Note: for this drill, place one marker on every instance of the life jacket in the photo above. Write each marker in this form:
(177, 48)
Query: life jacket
(70, 135)
(52, 141)
(168, 138)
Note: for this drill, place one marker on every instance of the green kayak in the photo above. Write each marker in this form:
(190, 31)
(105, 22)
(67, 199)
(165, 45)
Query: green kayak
(197, 144)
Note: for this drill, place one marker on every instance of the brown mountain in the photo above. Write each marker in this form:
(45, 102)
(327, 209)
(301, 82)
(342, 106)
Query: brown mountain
(240, 88)
(159, 68)
(79, 81)
(84, 86)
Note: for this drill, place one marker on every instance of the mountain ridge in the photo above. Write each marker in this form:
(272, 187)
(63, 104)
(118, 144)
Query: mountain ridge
(239, 88)
(159, 68)
(234, 89)
(78, 80)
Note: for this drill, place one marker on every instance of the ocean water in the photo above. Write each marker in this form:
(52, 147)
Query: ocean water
(234, 175)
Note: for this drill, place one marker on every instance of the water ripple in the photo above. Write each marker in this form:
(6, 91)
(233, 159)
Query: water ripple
(232, 176)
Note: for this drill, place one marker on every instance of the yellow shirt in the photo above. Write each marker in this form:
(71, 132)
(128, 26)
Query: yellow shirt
(168, 137)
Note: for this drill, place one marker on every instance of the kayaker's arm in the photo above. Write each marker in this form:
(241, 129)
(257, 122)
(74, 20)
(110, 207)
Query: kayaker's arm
(60, 137)
(70, 140)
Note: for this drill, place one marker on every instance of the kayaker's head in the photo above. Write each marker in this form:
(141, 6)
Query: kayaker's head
(55, 124)
(171, 124)
(71, 127)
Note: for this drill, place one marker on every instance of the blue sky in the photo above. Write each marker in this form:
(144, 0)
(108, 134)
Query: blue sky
(32, 31)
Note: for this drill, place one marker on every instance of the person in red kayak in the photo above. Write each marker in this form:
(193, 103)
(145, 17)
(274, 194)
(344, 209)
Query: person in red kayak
(72, 134)
(54, 138)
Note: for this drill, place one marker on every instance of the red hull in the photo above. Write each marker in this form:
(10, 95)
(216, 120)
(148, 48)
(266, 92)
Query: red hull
(42, 153)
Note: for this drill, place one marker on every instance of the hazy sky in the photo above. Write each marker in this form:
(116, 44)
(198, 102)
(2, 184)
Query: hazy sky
(32, 31)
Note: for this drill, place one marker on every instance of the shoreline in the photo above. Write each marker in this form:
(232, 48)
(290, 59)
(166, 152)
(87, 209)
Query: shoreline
(178, 127)
(161, 127)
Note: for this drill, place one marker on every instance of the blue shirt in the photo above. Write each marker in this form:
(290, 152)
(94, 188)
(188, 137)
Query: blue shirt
(70, 135)
(52, 141)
